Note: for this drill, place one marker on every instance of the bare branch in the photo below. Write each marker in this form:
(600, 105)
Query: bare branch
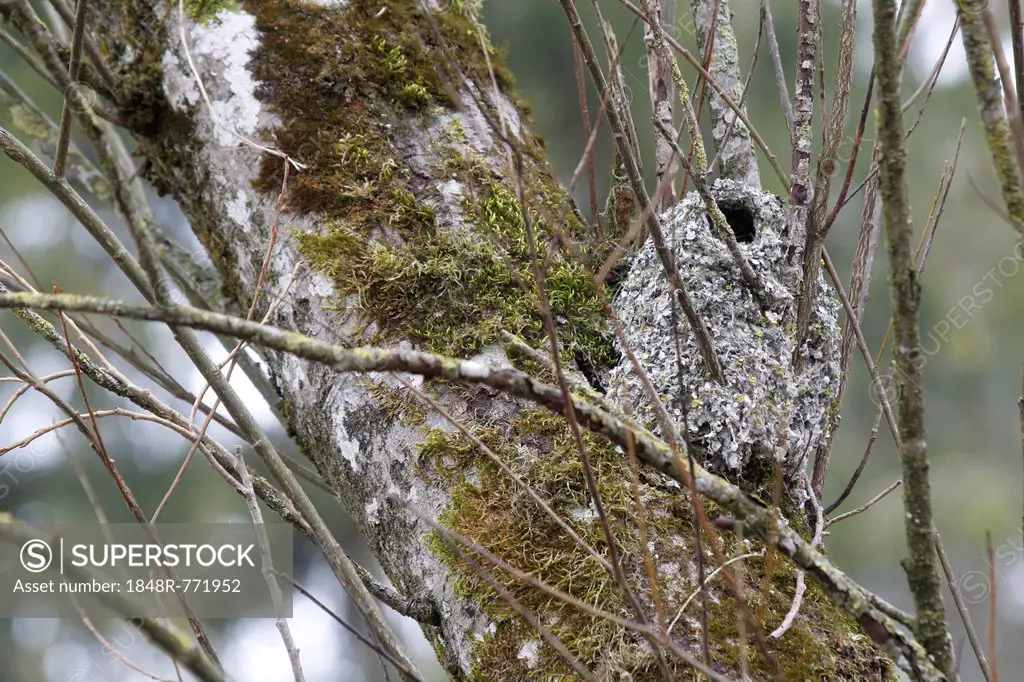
(74, 66)
(997, 130)
(777, 68)
(922, 573)
(961, 607)
(266, 564)
(869, 504)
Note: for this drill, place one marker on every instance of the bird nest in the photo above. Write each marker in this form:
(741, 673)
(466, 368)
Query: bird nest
(764, 409)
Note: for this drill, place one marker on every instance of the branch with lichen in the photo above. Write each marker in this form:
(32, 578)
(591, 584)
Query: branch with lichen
(816, 226)
(755, 517)
(729, 101)
(736, 160)
(801, 189)
(997, 129)
(920, 565)
(662, 96)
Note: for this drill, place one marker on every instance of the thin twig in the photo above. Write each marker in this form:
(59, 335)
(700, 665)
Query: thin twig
(736, 109)
(64, 10)
(993, 596)
(708, 579)
(961, 606)
(718, 219)
(372, 646)
(777, 68)
(74, 66)
(267, 564)
(698, 511)
(741, 626)
(860, 467)
(588, 154)
(872, 502)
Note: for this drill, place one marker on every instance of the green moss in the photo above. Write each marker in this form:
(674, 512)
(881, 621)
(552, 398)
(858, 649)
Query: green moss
(344, 78)
(475, 294)
(475, 279)
(204, 11)
(414, 95)
(341, 93)
(397, 404)
(822, 644)
(490, 510)
(498, 516)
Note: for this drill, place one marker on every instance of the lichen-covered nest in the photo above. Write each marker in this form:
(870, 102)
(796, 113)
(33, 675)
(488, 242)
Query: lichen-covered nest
(740, 422)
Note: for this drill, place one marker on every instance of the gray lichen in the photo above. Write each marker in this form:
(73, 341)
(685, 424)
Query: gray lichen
(736, 159)
(739, 423)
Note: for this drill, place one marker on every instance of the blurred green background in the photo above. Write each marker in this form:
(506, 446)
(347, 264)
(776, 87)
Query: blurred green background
(972, 376)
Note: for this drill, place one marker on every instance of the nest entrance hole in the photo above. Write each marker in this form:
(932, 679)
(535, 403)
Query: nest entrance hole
(740, 218)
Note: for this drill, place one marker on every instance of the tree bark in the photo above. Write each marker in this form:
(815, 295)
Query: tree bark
(405, 228)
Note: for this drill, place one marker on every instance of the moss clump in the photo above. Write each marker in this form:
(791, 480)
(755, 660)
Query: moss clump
(490, 509)
(414, 95)
(824, 643)
(353, 73)
(344, 92)
(205, 11)
(474, 292)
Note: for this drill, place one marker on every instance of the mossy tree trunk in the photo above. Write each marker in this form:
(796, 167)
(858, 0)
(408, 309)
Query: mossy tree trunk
(406, 229)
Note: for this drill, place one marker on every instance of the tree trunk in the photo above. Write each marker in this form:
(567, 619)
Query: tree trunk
(405, 224)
